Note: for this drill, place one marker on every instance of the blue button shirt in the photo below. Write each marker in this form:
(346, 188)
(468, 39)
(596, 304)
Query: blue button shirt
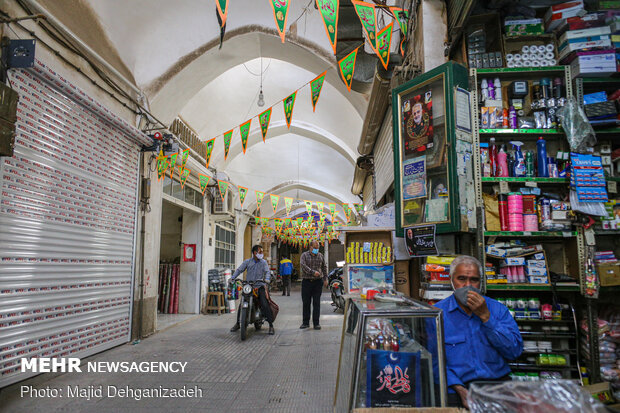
(477, 350)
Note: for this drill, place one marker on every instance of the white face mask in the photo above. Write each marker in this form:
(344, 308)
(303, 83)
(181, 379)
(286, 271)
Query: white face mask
(259, 256)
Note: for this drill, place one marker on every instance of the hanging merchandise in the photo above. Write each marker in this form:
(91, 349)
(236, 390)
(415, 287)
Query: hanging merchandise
(227, 138)
(223, 186)
(184, 156)
(288, 203)
(402, 17)
(162, 165)
(259, 199)
(243, 191)
(280, 14)
(368, 17)
(329, 12)
(347, 67)
(245, 130)
(315, 87)
(384, 42)
(274, 202)
(264, 119)
(204, 182)
(172, 160)
(210, 143)
(289, 103)
(308, 206)
(222, 10)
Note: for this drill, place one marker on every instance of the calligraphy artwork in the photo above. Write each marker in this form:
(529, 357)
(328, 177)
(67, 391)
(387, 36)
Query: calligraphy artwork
(245, 130)
(210, 143)
(347, 67)
(184, 176)
(414, 178)
(289, 104)
(264, 119)
(274, 202)
(162, 166)
(393, 379)
(368, 17)
(223, 187)
(280, 14)
(259, 199)
(204, 182)
(227, 138)
(243, 191)
(315, 88)
(329, 12)
(384, 41)
(172, 160)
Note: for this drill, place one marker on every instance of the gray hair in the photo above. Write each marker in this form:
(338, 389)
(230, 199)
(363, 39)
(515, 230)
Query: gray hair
(465, 260)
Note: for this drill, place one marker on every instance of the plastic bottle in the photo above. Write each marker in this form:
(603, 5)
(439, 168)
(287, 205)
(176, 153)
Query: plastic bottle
(552, 168)
(491, 90)
(497, 86)
(505, 119)
(493, 156)
(512, 116)
(502, 164)
(543, 170)
(484, 89)
(519, 168)
(529, 164)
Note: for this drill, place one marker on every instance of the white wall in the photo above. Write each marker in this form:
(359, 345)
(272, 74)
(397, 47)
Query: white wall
(189, 287)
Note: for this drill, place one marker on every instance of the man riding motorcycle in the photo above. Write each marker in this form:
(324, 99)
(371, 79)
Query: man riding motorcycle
(257, 270)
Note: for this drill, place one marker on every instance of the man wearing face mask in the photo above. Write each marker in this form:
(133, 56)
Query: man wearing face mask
(258, 270)
(314, 277)
(480, 334)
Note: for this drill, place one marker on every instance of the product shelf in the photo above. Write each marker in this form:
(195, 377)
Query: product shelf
(607, 131)
(534, 367)
(521, 70)
(530, 287)
(607, 231)
(531, 179)
(553, 351)
(613, 178)
(527, 334)
(533, 234)
(521, 131)
(544, 321)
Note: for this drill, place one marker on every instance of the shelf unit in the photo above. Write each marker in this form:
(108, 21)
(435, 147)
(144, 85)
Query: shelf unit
(530, 287)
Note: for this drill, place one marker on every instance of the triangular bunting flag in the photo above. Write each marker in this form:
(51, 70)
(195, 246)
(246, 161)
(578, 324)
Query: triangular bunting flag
(347, 67)
(242, 193)
(184, 156)
(162, 165)
(264, 119)
(287, 222)
(223, 185)
(359, 208)
(402, 17)
(245, 129)
(222, 10)
(332, 209)
(274, 202)
(288, 203)
(184, 176)
(204, 182)
(384, 41)
(259, 199)
(308, 206)
(172, 160)
(347, 210)
(257, 220)
(289, 103)
(368, 16)
(299, 221)
(334, 215)
(280, 14)
(315, 87)
(320, 206)
(329, 11)
(264, 221)
(227, 138)
(210, 144)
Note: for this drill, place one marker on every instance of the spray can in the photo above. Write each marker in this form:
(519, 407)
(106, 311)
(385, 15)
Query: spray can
(512, 118)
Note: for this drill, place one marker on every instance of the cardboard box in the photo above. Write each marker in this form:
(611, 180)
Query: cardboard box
(401, 277)
(410, 410)
(537, 279)
(609, 274)
(601, 391)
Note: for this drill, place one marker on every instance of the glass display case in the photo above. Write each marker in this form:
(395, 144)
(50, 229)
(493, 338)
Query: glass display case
(389, 356)
(432, 151)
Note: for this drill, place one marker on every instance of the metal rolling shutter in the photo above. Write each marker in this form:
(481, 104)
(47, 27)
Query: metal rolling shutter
(367, 193)
(384, 157)
(68, 208)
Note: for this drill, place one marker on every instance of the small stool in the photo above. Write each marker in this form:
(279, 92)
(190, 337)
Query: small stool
(215, 302)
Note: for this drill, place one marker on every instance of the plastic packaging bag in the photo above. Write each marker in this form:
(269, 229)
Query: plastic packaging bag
(578, 130)
(589, 208)
(549, 396)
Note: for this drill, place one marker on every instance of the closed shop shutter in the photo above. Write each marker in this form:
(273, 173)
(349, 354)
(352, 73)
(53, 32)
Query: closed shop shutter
(367, 193)
(67, 222)
(384, 157)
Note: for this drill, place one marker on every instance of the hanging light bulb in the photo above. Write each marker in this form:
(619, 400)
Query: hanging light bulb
(261, 99)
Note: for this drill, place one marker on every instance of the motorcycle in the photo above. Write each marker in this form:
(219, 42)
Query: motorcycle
(276, 282)
(250, 309)
(336, 287)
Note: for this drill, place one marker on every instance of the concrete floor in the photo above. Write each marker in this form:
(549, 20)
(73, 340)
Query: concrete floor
(292, 371)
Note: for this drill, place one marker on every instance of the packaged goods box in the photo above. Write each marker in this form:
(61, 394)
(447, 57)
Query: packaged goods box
(608, 274)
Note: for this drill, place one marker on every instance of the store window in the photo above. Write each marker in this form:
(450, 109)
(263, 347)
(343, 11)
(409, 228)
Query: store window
(225, 244)
(186, 194)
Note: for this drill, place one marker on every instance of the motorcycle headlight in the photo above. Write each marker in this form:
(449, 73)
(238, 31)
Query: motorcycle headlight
(247, 289)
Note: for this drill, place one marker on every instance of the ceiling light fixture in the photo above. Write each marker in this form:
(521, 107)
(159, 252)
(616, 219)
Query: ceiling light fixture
(261, 97)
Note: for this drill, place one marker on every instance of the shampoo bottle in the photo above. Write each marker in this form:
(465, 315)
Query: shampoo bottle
(502, 163)
(493, 156)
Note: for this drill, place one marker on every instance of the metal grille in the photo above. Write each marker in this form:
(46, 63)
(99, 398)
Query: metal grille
(67, 223)
(225, 244)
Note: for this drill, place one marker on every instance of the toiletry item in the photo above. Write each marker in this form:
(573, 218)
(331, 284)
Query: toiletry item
(512, 118)
(519, 161)
(503, 211)
(552, 168)
(484, 90)
(484, 159)
(491, 90)
(502, 164)
(543, 171)
(497, 85)
(505, 120)
(529, 164)
(493, 156)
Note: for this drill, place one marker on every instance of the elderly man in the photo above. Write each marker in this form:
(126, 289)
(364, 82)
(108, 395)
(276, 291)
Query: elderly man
(314, 277)
(480, 334)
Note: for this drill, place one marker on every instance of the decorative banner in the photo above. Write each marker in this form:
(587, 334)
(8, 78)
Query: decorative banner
(245, 129)
(288, 202)
(347, 67)
(402, 17)
(332, 209)
(223, 185)
(222, 9)
(289, 103)
(329, 12)
(204, 182)
(172, 160)
(384, 41)
(280, 14)
(274, 202)
(315, 87)
(259, 199)
(334, 215)
(347, 210)
(309, 206)
(287, 222)
(264, 221)
(264, 119)
(320, 225)
(210, 144)
(299, 221)
(320, 206)
(359, 208)
(184, 175)
(368, 16)
(257, 220)
(162, 165)
(184, 156)
(242, 193)
(227, 138)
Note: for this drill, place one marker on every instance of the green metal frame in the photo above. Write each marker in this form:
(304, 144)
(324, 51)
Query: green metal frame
(453, 75)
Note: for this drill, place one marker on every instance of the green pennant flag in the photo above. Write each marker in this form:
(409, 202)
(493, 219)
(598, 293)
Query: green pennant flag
(227, 138)
(347, 67)
(162, 165)
(210, 144)
(280, 14)
(257, 220)
(402, 17)
(288, 203)
(368, 16)
(308, 206)
(264, 119)
(204, 182)
(223, 186)
(184, 156)
(245, 130)
(287, 222)
(329, 12)
(384, 41)
(264, 221)
(184, 176)
(320, 206)
(315, 87)
(289, 103)
(347, 210)
(242, 193)
(359, 208)
(274, 202)
(299, 221)
(332, 209)
(259, 199)
(321, 224)
(222, 10)
(172, 160)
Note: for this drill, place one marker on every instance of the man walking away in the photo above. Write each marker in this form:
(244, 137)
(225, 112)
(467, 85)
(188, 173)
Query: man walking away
(286, 269)
(313, 271)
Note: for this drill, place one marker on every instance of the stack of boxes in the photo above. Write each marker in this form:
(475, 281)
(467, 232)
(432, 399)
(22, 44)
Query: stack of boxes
(436, 278)
(368, 253)
(518, 263)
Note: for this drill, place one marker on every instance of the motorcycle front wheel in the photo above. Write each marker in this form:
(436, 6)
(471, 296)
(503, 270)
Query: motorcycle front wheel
(243, 323)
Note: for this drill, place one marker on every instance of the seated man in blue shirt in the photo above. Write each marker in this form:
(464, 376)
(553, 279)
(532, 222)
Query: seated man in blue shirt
(480, 335)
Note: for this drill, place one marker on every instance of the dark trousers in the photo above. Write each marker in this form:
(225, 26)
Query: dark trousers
(264, 306)
(454, 400)
(286, 284)
(311, 292)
